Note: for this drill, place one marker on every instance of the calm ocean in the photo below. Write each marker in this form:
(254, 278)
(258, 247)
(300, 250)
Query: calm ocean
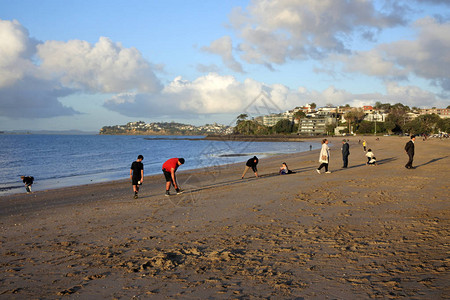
(68, 160)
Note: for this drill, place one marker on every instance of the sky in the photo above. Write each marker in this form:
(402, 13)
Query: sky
(82, 65)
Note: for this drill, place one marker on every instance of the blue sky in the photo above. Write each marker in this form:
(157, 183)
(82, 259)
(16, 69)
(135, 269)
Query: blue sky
(85, 64)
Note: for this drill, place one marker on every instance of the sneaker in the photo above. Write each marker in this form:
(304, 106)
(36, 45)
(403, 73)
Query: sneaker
(180, 192)
(328, 172)
(318, 171)
(136, 196)
(167, 193)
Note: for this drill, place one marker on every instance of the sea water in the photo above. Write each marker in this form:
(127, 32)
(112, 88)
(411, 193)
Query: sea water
(68, 160)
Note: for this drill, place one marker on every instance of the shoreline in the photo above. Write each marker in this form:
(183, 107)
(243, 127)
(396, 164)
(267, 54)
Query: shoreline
(361, 232)
(150, 177)
(86, 179)
(262, 138)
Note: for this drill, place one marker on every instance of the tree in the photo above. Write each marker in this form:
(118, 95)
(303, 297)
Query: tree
(382, 106)
(313, 105)
(330, 129)
(400, 106)
(444, 125)
(283, 126)
(366, 127)
(426, 124)
(354, 116)
(240, 118)
(248, 127)
(389, 125)
(397, 117)
(299, 115)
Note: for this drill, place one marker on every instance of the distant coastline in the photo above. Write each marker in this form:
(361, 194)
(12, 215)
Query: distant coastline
(258, 138)
(50, 132)
(235, 137)
(165, 128)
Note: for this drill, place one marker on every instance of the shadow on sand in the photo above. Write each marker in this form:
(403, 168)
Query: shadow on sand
(431, 161)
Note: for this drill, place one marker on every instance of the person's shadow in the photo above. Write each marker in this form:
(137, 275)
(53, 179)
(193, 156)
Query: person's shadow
(431, 161)
(379, 162)
(385, 160)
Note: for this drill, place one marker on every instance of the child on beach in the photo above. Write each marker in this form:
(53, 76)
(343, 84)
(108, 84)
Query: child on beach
(28, 181)
(371, 160)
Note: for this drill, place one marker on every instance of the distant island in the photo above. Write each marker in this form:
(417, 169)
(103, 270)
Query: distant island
(165, 128)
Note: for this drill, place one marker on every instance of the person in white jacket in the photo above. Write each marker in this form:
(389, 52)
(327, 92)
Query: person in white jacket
(324, 157)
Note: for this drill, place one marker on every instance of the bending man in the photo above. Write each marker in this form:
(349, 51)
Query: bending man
(169, 168)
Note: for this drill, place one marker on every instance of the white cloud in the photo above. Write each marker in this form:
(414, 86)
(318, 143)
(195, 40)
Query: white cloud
(372, 63)
(103, 67)
(412, 96)
(210, 94)
(426, 56)
(16, 51)
(205, 95)
(274, 31)
(224, 48)
(23, 93)
(35, 76)
(216, 94)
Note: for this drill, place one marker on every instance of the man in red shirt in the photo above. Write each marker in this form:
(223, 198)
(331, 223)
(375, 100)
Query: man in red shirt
(169, 168)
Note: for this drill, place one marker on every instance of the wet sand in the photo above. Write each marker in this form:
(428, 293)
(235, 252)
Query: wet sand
(357, 233)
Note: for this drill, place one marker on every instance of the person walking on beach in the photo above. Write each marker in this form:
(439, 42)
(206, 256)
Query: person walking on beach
(169, 168)
(324, 157)
(345, 152)
(251, 163)
(364, 145)
(137, 174)
(409, 148)
(28, 181)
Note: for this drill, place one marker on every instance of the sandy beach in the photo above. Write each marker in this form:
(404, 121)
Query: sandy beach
(358, 233)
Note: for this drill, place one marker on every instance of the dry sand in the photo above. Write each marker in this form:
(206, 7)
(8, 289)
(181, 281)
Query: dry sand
(361, 232)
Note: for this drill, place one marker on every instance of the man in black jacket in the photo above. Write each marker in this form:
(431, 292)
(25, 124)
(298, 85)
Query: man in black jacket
(251, 163)
(345, 152)
(409, 148)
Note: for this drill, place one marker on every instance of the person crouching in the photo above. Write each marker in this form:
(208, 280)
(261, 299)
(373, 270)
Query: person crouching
(28, 181)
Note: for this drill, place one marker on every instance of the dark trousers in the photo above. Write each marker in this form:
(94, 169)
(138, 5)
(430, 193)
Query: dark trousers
(345, 159)
(410, 161)
(323, 165)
